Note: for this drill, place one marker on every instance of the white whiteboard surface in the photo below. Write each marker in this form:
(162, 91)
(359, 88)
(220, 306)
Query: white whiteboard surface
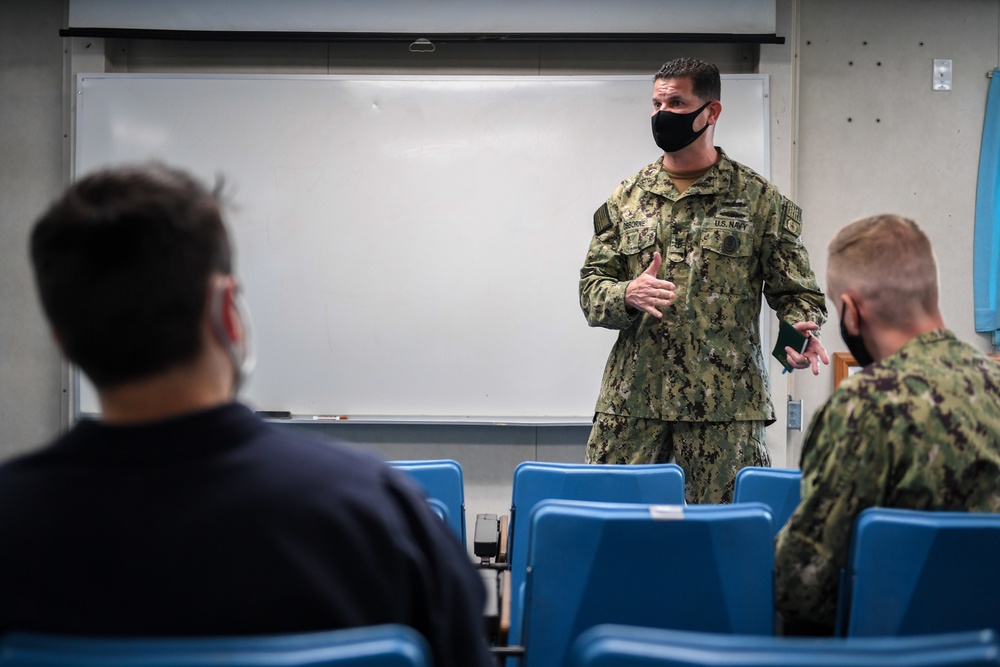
(409, 246)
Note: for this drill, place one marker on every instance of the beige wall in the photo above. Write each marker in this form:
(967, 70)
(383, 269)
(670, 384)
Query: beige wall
(31, 173)
(874, 137)
(32, 388)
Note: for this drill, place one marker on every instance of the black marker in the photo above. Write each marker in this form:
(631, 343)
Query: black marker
(274, 414)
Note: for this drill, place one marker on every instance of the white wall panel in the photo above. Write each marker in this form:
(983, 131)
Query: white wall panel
(441, 16)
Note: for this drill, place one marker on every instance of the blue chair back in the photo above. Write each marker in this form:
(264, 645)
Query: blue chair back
(442, 480)
(917, 572)
(534, 481)
(375, 646)
(778, 488)
(703, 567)
(441, 510)
(621, 646)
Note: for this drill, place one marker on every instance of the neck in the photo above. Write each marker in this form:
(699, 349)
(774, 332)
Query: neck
(700, 155)
(203, 384)
(684, 179)
(888, 341)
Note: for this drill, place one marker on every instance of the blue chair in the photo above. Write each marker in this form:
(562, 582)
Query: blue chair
(375, 646)
(917, 572)
(441, 510)
(708, 568)
(622, 646)
(442, 480)
(778, 488)
(534, 481)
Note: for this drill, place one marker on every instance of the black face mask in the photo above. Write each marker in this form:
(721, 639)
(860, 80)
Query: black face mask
(673, 131)
(856, 344)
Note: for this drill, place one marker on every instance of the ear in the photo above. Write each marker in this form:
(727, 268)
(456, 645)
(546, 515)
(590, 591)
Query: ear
(714, 111)
(851, 314)
(230, 318)
(222, 310)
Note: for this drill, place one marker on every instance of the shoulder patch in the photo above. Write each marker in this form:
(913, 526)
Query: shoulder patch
(602, 220)
(792, 218)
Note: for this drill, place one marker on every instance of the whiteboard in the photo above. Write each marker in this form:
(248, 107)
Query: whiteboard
(410, 246)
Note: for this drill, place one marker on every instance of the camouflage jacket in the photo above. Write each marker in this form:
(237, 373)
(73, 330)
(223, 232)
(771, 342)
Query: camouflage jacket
(917, 430)
(727, 238)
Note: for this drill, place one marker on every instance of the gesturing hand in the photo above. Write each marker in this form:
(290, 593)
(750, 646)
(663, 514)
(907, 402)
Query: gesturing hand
(814, 353)
(647, 292)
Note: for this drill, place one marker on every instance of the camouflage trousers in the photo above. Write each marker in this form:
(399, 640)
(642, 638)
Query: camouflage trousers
(710, 453)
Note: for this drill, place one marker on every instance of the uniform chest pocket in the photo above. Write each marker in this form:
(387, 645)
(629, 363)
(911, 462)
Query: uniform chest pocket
(728, 242)
(728, 261)
(638, 245)
(636, 240)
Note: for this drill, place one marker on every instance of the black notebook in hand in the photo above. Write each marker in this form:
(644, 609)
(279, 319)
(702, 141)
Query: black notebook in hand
(789, 336)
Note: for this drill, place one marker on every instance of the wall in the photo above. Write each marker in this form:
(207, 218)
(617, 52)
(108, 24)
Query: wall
(31, 155)
(488, 454)
(874, 137)
(836, 170)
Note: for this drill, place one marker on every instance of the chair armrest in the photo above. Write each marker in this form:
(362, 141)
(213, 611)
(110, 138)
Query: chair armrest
(503, 632)
(502, 545)
(486, 538)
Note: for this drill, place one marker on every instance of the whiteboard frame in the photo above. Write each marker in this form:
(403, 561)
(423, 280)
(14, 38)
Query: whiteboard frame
(82, 396)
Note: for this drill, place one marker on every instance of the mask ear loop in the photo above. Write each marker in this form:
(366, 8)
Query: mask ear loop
(248, 350)
(243, 355)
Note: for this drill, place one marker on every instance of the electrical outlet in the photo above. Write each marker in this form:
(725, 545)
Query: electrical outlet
(794, 415)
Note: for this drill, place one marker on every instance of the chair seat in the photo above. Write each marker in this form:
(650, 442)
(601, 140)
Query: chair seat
(624, 646)
(374, 646)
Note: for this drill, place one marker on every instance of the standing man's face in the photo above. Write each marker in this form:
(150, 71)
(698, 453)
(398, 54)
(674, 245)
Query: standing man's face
(680, 118)
(676, 96)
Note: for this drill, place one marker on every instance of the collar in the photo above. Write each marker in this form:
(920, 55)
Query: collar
(717, 179)
(190, 435)
(913, 346)
(926, 338)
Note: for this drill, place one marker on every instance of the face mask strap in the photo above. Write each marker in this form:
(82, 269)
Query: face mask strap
(855, 342)
(242, 355)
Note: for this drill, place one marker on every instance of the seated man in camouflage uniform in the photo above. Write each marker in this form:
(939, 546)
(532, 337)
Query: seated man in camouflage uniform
(918, 428)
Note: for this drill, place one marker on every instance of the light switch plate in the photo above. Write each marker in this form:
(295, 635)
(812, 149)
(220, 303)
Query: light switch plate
(942, 74)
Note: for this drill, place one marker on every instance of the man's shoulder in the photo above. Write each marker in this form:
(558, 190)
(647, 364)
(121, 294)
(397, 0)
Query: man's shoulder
(931, 375)
(940, 354)
(330, 463)
(650, 178)
(231, 441)
(747, 180)
(854, 403)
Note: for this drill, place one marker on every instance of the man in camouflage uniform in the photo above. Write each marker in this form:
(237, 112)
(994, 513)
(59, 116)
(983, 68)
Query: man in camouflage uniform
(918, 428)
(681, 254)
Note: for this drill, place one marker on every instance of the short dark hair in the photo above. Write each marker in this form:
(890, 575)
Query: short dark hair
(705, 80)
(122, 262)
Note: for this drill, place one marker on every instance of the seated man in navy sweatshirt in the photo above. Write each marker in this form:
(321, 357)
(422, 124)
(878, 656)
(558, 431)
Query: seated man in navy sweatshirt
(180, 512)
